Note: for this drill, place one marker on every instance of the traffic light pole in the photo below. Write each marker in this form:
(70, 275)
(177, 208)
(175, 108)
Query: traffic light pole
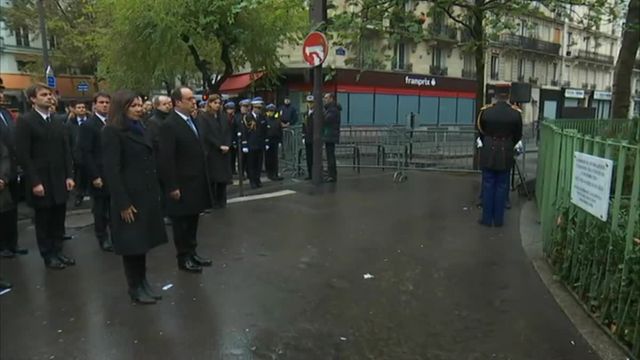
(318, 15)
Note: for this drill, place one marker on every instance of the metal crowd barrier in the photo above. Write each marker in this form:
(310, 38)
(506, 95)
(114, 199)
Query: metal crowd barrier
(398, 148)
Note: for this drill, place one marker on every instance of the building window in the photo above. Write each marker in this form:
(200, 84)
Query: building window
(437, 57)
(22, 36)
(555, 71)
(521, 69)
(23, 65)
(52, 42)
(533, 68)
(570, 39)
(398, 56)
(495, 66)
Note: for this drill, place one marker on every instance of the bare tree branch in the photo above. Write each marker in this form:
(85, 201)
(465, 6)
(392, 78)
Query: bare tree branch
(454, 18)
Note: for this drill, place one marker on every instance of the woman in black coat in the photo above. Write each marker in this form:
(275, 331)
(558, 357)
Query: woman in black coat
(129, 168)
(216, 134)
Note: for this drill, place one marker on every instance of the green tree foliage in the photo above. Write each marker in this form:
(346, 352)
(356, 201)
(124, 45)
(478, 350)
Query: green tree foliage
(73, 25)
(148, 43)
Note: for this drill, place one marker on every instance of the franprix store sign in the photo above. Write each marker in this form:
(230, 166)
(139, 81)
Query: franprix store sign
(420, 81)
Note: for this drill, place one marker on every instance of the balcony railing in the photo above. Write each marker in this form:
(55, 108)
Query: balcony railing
(527, 43)
(468, 74)
(438, 70)
(533, 80)
(520, 78)
(592, 86)
(443, 32)
(495, 75)
(585, 86)
(594, 56)
(555, 83)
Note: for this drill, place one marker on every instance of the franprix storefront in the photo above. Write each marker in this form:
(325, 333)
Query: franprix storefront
(386, 98)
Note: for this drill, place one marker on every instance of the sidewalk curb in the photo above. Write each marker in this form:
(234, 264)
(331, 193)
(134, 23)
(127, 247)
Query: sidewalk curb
(592, 332)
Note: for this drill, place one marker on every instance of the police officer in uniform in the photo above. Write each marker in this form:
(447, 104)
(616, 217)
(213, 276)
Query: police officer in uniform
(231, 118)
(252, 141)
(272, 142)
(500, 128)
(307, 135)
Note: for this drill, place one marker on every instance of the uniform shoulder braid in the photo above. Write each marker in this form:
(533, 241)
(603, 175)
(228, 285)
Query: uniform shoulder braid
(486, 107)
(515, 107)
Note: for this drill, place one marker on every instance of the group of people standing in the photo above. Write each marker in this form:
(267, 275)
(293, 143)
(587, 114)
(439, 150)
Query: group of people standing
(176, 164)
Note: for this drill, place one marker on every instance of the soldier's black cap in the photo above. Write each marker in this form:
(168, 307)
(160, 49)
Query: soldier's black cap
(502, 88)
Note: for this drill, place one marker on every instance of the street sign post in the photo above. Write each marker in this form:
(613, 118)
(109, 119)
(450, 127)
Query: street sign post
(51, 78)
(83, 87)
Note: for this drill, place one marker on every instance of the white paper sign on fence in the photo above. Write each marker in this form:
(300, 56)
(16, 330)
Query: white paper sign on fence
(591, 184)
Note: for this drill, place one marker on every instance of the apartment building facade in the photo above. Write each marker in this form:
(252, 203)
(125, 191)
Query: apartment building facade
(567, 66)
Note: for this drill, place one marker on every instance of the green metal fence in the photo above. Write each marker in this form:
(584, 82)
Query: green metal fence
(598, 260)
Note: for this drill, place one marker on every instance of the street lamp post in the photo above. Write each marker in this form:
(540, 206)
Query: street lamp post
(43, 34)
(318, 16)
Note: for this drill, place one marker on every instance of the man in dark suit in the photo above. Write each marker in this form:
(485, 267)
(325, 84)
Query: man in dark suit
(44, 153)
(79, 169)
(9, 217)
(331, 134)
(90, 149)
(184, 177)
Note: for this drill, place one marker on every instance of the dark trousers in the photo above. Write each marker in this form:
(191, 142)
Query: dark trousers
(494, 196)
(50, 229)
(233, 153)
(330, 148)
(80, 178)
(101, 218)
(254, 165)
(271, 160)
(135, 269)
(308, 154)
(9, 229)
(219, 192)
(185, 231)
(9, 220)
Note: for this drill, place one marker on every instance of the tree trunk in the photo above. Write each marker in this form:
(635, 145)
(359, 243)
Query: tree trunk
(225, 56)
(626, 61)
(479, 48)
(201, 64)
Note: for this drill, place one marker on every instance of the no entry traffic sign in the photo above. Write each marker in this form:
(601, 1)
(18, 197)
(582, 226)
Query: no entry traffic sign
(315, 48)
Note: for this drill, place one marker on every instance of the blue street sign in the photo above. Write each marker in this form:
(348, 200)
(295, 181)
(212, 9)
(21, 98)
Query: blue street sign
(83, 86)
(51, 81)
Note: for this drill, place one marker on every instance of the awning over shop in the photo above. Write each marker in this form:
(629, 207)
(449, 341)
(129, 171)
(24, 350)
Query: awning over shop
(237, 83)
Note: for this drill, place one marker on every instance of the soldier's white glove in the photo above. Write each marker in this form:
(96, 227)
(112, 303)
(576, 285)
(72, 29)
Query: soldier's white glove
(303, 141)
(266, 147)
(519, 148)
(478, 143)
(245, 150)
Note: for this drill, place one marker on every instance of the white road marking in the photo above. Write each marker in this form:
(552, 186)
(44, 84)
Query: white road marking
(261, 196)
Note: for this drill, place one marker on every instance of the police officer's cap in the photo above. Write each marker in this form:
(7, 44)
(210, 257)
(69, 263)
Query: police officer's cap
(309, 98)
(245, 102)
(271, 107)
(257, 101)
(230, 105)
(503, 88)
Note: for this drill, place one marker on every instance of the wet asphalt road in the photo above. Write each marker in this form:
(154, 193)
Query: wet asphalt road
(288, 283)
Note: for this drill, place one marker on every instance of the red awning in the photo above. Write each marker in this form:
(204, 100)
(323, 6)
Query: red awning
(238, 82)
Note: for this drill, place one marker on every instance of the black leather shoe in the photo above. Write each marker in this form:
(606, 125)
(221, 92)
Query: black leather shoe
(189, 265)
(5, 285)
(106, 245)
(149, 290)
(54, 263)
(483, 223)
(65, 259)
(139, 296)
(7, 254)
(308, 178)
(20, 251)
(67, 237)
(329, 180)
(201, 261)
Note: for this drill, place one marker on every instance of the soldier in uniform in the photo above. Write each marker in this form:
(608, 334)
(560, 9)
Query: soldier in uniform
(500, 129)
(307, 135)
(272, 142)
(231, 118)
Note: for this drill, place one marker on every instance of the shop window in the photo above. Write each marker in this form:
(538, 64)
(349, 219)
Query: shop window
(386, 110)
